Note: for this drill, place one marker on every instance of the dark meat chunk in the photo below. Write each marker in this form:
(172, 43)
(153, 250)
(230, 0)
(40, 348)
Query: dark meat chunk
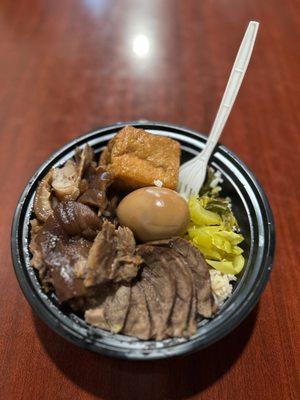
(97, 181)
(112, 256)
(110, 211)
(68, 265)
(37, 259)
(61, 250)
(42, 200)
(65, 259)
(77, 219)
(65, 182)
(138, 321)
(84, 159)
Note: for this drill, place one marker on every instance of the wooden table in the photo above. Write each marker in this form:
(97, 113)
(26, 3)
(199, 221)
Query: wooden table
(69, 66)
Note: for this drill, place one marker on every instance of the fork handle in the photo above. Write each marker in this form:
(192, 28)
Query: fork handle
(235, 80)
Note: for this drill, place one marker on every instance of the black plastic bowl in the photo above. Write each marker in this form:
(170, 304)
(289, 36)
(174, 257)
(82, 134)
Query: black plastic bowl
(253, 213)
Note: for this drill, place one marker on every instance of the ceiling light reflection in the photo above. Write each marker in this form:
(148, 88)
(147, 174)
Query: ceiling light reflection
(141, 45)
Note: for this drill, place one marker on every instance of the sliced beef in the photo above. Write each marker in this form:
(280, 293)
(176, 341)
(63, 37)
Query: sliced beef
(95, 316)
(156, 273)
(138, 321)
(206, 305)
(117, 307)
(112, 313)
(180, 307)
(192, 320)
(112, 256)
(192, 281)
(97, 181)
(91, 299)
(184, 292)
(153, 306)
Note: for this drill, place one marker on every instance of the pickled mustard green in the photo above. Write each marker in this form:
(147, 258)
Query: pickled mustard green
(214, 230)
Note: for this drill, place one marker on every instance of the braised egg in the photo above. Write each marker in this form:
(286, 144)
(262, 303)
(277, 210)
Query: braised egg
(154, 213)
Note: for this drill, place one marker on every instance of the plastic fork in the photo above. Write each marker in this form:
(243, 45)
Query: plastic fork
(192, 173)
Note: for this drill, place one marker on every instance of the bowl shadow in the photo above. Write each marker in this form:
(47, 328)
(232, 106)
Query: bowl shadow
(172, 379)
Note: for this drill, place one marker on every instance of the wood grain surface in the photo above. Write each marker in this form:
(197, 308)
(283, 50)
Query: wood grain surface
(69, 66)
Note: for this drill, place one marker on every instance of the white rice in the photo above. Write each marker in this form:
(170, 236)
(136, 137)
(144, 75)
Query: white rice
(217, 179)
(221, 286)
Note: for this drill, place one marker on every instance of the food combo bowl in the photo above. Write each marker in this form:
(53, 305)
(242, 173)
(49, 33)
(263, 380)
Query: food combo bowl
(250, 206)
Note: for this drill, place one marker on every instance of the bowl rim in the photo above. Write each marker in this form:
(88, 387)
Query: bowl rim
(176, 350)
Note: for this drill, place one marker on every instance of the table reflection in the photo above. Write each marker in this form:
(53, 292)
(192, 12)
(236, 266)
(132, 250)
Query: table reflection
(96, 6)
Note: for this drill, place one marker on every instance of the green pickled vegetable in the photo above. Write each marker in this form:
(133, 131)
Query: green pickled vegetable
(228, 267)
(201, 216)
(214, 231)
